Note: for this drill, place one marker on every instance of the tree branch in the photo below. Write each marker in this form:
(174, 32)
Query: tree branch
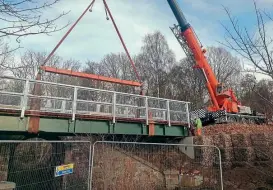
(256, 48)
(24, 18)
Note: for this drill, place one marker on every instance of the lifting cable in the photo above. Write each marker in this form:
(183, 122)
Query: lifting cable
(68, 32)
(121, 39)
(72, 27)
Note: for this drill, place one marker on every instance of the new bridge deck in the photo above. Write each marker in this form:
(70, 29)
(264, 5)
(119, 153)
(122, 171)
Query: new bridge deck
(41, 106)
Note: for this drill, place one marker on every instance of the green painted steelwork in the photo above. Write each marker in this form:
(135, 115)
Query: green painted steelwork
(92, 126)
(13, 123)
(130, 129)
(10, 123)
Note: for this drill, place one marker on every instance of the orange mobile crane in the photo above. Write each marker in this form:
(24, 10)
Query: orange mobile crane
(224, 104)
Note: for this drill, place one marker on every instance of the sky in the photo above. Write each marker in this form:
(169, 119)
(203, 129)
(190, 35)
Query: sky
(95, 36)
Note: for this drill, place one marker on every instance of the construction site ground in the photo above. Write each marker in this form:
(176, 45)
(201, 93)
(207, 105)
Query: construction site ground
(246, 154)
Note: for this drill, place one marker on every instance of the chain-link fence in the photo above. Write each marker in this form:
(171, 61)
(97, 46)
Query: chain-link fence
(153, 166)
(44, 165)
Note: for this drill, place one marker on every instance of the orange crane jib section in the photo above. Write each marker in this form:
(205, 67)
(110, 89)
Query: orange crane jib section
(89, 76)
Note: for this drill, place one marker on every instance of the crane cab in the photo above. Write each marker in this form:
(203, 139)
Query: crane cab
(220, 89)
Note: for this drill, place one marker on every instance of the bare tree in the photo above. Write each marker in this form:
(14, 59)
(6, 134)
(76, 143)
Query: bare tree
(257, 94)
(6, 59)
(70, 64)
(118, 66)
(185, 84)
(93, 68)
(22, 18)
(255, 47)
(27, 17)
(27, 68)
(112, 65)
(226, 67)
(154, 62)
(30, 62)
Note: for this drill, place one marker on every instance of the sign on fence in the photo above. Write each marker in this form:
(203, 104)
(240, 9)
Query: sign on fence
(64, 170)
(150, 166)
(45, 165)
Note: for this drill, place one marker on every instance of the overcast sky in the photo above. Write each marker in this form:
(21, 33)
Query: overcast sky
(94, 36)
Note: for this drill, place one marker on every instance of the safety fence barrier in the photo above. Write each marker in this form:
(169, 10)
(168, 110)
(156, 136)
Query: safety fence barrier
(45, 165)
(149, 166)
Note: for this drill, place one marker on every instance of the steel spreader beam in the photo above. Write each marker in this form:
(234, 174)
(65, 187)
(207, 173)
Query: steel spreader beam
(89, 76)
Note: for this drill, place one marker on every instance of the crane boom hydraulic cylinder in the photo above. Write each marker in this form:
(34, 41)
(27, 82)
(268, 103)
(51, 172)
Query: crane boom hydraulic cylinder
(184, 25)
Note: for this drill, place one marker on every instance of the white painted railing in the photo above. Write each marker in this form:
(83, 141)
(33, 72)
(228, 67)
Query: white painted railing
(18, 94)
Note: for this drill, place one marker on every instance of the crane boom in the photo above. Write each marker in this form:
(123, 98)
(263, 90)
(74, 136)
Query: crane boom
(221, 99)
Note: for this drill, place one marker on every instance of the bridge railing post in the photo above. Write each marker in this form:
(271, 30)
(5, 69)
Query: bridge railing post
(24, 99)
(147, 110)
(114, 107)
(188, 114)
(168, 112)
(63, 106)
(74, 103)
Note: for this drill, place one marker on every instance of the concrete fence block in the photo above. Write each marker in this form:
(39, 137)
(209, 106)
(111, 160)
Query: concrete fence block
(6, 185)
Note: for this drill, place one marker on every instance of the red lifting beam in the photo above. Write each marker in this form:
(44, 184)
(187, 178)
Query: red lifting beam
(89, 76)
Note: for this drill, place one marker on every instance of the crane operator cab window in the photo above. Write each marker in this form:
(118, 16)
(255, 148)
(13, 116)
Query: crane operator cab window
(220, 88)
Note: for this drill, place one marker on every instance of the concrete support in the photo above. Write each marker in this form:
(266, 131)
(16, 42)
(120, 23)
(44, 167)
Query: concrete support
(6, 185)
(188, 150)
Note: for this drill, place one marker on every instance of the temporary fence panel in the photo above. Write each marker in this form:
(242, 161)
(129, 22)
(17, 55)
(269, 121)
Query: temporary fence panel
(151, 166)
(44, 165)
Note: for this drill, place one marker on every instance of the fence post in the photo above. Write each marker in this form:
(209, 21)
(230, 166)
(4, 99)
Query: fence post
(168, 113)
(24, 99)
(90, 166)
(74, 104)
(114, 107)
(147, 110)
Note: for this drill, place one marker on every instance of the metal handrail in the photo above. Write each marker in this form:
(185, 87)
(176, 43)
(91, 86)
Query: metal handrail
(112, 97)
(91, 89)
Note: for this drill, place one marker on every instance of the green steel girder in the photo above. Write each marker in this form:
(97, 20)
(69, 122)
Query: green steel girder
(10, 123)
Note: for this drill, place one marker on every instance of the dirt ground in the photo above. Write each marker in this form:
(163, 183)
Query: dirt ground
(252, 177)
(237, 129)
(248, 179)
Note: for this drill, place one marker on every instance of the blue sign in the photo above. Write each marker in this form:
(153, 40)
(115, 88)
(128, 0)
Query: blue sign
(64, 170)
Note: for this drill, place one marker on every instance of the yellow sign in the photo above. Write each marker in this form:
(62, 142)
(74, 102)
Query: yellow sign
(64, 169)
